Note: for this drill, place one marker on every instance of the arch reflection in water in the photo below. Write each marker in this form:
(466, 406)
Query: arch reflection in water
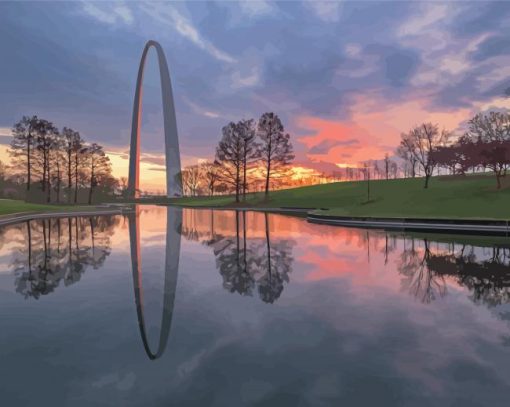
(172, 252)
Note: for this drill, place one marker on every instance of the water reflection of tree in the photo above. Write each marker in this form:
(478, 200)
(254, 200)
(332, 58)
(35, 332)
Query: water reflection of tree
(488, 280)
(425, 272)
(419, 279)
(277, 265)
(247, 264)
(51, 251)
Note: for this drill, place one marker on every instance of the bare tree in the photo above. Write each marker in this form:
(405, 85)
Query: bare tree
(22, 145)
(409, 159)
(98, 165)
(491, 135)
(393, 169)
(420, 142)
(230, 157)
(46, 144)
(79, 159)
(377, 170)
(211, 175)
(387, 165)
(492, 126)
(246, 129)
(275, 151)
(191, 179)
(72, 144)
(57, 162)
(39, 150)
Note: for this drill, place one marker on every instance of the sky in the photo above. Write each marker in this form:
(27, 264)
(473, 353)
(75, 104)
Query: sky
(346, 78)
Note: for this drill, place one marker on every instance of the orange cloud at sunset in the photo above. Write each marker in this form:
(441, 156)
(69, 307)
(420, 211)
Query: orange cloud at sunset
(374, 128)
(337, 142)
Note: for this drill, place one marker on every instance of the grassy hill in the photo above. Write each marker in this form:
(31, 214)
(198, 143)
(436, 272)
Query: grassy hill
(473, 196)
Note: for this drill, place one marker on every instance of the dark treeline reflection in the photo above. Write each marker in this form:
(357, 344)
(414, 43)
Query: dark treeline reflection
(49, 252)
(426, 267)
(249, 259)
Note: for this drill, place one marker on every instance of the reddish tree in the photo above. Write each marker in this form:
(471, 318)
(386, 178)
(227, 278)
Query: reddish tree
(420, 142)
(496, 156)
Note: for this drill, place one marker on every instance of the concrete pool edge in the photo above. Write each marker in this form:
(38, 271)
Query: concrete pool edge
(467, 226)
(441, 225)
(13, 218)
(500, 227)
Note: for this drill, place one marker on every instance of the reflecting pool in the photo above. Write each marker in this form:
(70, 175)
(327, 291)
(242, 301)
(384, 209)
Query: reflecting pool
(166, 306)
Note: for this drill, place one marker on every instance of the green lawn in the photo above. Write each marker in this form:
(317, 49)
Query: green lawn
(473, 196)
(8, 206)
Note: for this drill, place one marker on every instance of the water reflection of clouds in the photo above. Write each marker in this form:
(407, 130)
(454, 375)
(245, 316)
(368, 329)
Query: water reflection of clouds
(354, 336)
(253, 253)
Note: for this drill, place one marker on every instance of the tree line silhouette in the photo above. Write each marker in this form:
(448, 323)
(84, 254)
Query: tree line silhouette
(426, 148)
(56, 165)
(250, 156)
(245, 163)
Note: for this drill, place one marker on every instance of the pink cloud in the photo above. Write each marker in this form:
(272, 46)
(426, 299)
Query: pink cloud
(374, 128)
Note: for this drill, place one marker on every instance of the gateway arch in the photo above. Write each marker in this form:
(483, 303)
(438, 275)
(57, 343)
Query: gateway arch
(172, 155)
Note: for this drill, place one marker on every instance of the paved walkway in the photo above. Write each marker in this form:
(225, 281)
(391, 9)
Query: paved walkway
(468, 226)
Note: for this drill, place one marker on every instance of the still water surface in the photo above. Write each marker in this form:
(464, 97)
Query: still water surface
(168, 307)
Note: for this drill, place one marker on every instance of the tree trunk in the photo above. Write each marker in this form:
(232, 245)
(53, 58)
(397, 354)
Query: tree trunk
(498, 179)
(59, 233)
(29, 166)
(427, 176)
(244, 244)
(268, 245)
(58, 181)
(244, 176)
(76, 178)
(70, 243)
(238, 181)
(269, 152)
(91, 188)
(45, 245)
(237, 240)
(48, 187)
(91, 222)
(69, 176)
(48, 182)
(43, 182)
(268, 170)
(29, 238)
